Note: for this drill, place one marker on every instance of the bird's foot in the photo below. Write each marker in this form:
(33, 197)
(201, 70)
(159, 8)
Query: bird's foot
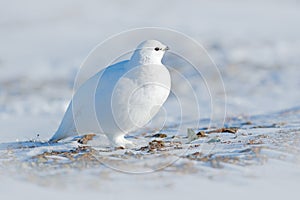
(123, 143)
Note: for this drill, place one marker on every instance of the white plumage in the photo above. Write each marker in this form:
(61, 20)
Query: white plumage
(120, 98)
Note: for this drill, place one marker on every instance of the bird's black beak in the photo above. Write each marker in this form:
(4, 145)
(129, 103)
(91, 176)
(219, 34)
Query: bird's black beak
(166, 48)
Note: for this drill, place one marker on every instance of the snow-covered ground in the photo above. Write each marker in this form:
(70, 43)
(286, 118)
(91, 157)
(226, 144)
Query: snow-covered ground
(256, 46)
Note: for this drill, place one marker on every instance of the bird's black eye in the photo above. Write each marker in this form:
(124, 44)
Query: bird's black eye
(156, 49)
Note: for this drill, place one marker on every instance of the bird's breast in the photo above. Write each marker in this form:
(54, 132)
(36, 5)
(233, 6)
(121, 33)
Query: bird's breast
(137, 96)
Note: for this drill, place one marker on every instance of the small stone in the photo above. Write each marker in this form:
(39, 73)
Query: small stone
(160, 135)
(225, 130)
(201, 134)
(86, 138)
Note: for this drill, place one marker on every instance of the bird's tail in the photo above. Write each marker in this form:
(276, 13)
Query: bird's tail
(54, 138)
(58, 135)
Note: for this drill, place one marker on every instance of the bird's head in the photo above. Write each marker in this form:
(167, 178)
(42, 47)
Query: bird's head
(149, 52)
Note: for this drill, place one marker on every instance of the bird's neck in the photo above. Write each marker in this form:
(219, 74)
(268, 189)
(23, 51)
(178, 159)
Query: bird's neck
(144, 59)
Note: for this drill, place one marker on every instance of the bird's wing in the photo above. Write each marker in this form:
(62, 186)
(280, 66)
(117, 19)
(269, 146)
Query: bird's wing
(79, 110)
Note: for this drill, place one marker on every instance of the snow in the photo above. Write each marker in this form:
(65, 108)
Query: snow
(256, 46)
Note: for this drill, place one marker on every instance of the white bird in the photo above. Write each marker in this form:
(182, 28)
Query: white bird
(120, 98)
